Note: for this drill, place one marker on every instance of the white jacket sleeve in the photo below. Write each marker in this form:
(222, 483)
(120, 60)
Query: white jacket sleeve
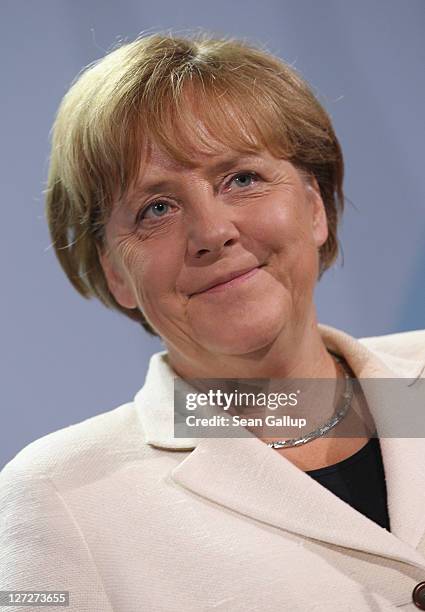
(42, 547)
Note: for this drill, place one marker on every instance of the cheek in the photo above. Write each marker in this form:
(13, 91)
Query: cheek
(287, 240)
(153, 271)
(282, 226)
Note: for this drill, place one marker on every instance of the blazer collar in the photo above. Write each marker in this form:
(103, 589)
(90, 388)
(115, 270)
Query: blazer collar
(247, 476)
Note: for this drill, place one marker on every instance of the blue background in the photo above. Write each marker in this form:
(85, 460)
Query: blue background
(65, 358)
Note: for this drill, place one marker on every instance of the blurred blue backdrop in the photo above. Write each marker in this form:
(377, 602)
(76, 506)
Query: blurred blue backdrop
(66, 359)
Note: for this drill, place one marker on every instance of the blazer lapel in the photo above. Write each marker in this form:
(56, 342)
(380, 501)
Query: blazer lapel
(246, 476)
(396, 406)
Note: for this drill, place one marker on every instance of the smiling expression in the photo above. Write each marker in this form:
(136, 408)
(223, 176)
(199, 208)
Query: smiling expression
(184, 229)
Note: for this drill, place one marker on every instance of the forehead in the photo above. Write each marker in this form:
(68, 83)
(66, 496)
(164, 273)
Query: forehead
(154, 156)
(156, 160)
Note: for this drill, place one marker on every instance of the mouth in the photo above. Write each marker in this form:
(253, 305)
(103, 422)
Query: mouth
(232, 282)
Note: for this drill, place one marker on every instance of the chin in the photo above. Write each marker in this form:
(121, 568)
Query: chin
(242, 335)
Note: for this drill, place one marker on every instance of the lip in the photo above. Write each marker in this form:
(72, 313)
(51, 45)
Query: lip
(229, 281)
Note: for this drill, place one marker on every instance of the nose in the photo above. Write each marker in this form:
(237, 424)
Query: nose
(210, 228)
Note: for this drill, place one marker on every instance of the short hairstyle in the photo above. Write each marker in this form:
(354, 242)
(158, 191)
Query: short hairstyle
(137, 95)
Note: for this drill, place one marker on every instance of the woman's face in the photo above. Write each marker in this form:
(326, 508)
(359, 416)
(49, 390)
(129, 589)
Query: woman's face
(187, 229)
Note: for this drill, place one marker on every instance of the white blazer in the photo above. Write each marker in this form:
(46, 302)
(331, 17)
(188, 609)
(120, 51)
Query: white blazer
(128, 518)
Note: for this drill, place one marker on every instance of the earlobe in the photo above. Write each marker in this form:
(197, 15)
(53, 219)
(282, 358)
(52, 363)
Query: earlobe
(117, 282)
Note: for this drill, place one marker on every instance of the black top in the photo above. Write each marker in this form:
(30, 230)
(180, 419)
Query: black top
(359, 480)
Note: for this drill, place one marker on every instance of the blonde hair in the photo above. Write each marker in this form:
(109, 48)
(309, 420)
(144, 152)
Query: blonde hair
(139, 94)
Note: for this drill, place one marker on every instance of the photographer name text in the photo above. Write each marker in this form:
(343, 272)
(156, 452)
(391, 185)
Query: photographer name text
(238, 421)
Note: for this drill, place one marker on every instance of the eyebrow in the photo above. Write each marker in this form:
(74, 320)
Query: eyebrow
(150, 188)
(227, 164)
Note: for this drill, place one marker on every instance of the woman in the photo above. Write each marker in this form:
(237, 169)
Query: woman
(196, 186)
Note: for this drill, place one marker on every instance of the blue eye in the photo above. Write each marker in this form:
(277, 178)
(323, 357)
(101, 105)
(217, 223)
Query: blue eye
(251, 176)
(160, 208)
(157, 206)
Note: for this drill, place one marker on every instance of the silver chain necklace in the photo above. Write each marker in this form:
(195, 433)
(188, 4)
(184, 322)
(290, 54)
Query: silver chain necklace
(345, 404)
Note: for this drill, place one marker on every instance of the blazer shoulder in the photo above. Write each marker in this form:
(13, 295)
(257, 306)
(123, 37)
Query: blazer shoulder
(82, 451)
(42, 544)
(407, 345)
